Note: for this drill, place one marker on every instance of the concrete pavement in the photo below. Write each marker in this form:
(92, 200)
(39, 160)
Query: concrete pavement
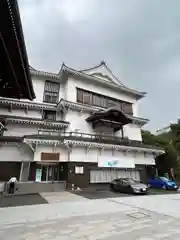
(143, 218)
(162, 204)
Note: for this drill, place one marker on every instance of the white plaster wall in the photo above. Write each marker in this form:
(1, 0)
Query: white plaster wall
(80, 154)
(51, 149)
(12, 153)
(133, 132)
(147, 159)
(38, 85)
(78, 121)
(62, 91)
(135, 107)
(72, 84)
(20, 130)
(59, 116)
(22, 113)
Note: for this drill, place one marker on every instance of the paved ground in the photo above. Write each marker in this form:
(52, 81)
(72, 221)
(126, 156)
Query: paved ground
(60, 197)
(101, 194)
(142, 218)
(33, 199)
(13, 201)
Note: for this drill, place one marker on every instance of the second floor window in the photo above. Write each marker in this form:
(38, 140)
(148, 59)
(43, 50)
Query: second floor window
(98, 100)
(49, 115)
(51, 92)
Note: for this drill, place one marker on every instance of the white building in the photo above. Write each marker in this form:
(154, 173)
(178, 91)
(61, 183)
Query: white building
(82, 128)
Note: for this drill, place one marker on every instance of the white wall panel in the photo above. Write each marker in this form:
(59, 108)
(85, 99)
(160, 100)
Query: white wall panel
(106, 176)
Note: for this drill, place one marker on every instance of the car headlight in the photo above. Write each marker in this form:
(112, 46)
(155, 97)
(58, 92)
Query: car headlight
(136, 189)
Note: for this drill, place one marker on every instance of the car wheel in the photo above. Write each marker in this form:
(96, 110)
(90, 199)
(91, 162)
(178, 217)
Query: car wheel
(112, 187)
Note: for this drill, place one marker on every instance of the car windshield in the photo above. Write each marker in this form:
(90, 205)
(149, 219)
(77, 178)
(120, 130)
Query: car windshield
(130, 180)
(164, 178)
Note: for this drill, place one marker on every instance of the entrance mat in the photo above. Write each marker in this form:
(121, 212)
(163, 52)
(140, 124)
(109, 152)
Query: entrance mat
(21, 200)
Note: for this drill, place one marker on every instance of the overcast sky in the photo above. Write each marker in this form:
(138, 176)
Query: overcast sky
(138, 39)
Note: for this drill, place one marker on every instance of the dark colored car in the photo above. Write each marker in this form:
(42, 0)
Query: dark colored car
(162, 183)
(128, 185)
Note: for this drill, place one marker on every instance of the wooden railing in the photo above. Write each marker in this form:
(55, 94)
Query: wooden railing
(108, 139)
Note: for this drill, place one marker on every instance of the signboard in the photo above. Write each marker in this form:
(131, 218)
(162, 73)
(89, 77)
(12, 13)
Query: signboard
(116, 162)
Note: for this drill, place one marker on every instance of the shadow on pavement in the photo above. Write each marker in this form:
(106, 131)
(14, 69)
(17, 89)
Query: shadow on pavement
(21, 200)
(102, 194)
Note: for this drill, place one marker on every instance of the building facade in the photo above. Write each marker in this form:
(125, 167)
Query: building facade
(83, 128)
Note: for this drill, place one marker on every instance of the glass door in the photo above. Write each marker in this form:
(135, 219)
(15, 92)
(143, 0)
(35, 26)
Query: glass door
(46, 173)
(50, 173)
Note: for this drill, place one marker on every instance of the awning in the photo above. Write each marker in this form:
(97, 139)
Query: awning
(15, 79)
(113, 117)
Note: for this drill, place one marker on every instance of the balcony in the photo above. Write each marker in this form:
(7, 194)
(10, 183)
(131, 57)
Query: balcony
(77, 136)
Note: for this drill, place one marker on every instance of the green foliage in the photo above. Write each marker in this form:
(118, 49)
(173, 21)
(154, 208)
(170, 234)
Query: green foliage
(170, 141)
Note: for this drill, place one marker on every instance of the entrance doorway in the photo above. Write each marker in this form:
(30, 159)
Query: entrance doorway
(45, 173)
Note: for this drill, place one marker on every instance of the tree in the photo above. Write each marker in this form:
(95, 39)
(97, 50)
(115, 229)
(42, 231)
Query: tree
(169, 159)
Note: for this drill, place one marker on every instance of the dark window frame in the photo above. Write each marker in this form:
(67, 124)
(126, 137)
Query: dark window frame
(50, 113)
(103, 101)
(51, 91)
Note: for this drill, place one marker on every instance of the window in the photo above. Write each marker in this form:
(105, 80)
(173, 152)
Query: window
(49, 115)
(94, 99)
(79, 95)
(79, 169)
(51, 92)
(111, 103)
(127, 108)
(103, 102)
(84, 97)
(87, 98)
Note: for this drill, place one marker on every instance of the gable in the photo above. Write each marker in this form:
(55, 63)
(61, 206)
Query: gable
(103, 72)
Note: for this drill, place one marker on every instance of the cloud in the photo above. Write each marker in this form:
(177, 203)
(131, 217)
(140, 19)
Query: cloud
(138, 39)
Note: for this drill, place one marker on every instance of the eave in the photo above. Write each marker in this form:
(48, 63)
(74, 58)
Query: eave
(85, 141)
(65, 71)
(35, 121)
(14, 139)
(134, 93)
(26, 104)
(48, 75)
(14, 72)
(64, 105)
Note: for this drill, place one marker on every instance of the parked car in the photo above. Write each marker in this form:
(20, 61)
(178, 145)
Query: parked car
(162, 183)
(128, 185)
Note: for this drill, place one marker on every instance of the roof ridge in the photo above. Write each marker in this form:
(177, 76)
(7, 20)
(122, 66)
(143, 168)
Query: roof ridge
(103, 63)
(41, 71)
(87, 69)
